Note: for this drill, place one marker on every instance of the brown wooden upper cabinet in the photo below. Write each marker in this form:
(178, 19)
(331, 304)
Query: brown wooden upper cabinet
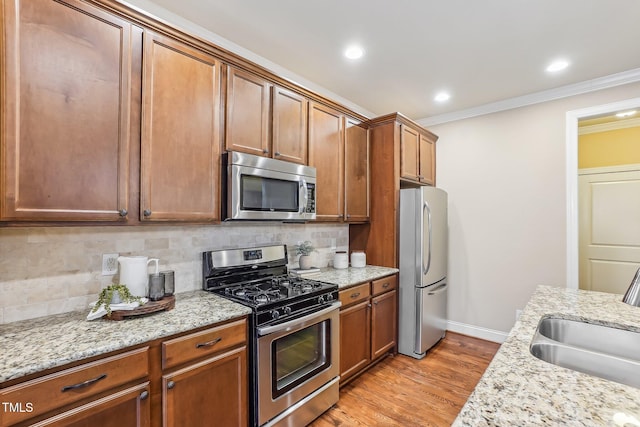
(180, 154)
(339, 150)
(356, 171)
(417, 155)
(326, 154)
(247, 115)
(253, 107)
(67, 102)
(290, 124)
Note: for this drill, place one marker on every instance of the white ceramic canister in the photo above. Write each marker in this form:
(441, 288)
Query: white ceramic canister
(358, 259)
(341, 260)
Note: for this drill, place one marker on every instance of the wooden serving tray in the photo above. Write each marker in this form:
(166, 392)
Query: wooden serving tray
(165, 304)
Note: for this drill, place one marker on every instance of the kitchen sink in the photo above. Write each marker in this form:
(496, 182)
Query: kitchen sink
(602, 351)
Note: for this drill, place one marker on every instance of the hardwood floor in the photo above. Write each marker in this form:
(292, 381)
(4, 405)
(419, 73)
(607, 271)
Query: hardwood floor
(402, 391)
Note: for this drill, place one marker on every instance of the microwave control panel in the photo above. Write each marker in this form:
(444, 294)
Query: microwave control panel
(311, 199)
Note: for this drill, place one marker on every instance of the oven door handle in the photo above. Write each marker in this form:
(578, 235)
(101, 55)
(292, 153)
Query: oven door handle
(265, 330)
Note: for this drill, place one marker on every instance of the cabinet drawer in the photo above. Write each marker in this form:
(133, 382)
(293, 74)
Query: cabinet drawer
(62, 388)
(383, 285)
(193, 346)
(355, 294)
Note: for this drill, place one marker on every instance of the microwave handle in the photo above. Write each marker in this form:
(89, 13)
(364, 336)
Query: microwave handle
(304, 195)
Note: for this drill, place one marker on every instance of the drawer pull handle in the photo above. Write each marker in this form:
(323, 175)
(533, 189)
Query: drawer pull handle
(208, 343)
(144, 395)
(84, 384)
(386, 285)
(356, 295)
(171, 385)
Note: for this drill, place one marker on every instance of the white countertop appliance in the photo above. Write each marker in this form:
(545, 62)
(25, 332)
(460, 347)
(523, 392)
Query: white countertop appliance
(423, 269)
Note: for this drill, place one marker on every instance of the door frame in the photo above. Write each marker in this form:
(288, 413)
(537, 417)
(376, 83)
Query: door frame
(572, 236)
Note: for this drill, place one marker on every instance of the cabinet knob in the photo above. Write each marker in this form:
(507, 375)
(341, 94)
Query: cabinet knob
(123, 212)
(144, 395)
(348, 215)
(265, 151)
(147, 212)
(277, 153)
(171, 385)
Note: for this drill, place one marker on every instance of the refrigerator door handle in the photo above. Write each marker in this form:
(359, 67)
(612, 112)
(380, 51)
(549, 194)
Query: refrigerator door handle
(440, 289)
(426, 207)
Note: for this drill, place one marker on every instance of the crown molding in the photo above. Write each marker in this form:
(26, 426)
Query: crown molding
(618, 79)
(605, 127)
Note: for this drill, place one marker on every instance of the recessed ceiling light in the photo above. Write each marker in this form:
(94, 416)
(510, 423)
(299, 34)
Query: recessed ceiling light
(557, 66)
(442, 97)
(354, 52)
(626, 113)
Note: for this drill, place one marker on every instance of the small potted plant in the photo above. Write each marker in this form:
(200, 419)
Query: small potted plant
(304, 249)
(114, 294)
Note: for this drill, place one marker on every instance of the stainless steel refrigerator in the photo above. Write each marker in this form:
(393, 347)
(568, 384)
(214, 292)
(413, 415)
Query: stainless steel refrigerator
(423, 269)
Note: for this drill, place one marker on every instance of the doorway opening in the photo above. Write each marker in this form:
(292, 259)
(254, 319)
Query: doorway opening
(572, 207)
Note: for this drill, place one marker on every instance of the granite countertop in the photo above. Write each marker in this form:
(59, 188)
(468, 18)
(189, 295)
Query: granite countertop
(352, 276)
(519, 389)
(35, 345)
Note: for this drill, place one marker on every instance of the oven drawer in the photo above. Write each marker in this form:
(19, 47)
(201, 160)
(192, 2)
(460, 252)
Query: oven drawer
(199, 344)
(355, 294)
(384, 285)
(71, 385)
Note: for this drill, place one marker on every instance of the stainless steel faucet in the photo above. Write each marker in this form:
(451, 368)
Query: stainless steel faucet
(632, 296)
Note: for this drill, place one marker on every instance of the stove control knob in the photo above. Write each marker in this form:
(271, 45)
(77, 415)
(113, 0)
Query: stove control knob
(287, 310)
(321, 299)
(275, 314)
(329, 298)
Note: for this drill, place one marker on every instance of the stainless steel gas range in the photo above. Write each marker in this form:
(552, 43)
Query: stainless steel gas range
(295, 333)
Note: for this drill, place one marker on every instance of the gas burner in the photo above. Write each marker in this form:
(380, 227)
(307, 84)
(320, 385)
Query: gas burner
(305, 287)
(263, 297)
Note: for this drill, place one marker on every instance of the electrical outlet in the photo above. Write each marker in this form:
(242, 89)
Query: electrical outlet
(109, 264)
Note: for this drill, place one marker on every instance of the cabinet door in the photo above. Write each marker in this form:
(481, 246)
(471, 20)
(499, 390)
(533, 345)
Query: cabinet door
(383, 323)
(409, 140)
(66, 106)
(180, 164)
(127, 408)
(290, 118)
(427, 160)
(212, 392)
(247, 122)
(355, 339)
(356, 172)
(326, 151)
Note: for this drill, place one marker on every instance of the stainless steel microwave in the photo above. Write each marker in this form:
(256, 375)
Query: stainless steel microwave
(260, 188)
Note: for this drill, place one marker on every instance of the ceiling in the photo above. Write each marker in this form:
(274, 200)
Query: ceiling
(481, 51)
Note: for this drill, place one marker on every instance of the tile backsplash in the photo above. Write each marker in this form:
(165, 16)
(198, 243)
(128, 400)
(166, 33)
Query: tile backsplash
(52, 270)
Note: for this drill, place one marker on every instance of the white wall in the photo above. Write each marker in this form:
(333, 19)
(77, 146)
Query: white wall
(505, 175)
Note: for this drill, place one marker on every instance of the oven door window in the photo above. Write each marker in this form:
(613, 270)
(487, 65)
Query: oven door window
(267, 194)
(299, 356)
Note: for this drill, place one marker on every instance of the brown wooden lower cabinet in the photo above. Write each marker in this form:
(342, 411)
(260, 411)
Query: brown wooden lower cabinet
(368, 319)
(191, 379)
(208, 393)
(126, 408)
(354, 339)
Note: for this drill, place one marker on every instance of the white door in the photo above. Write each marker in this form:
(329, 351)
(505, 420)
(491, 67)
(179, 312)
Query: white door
(609, 221)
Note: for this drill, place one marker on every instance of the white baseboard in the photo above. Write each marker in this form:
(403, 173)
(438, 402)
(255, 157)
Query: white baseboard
(477, 331)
